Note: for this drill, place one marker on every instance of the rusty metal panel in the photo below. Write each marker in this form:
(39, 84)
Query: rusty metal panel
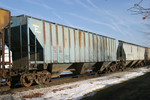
(72, 45)
(105, 48)
(60, 44)
(48, 43)
(81, 45)
(109, 45)
(53, 43)
(102, 49)
(108, 50)
(98, 49)
(76, 34)
(86, 50)
(113, 49)
(95, 47)
(115, 46)
(66, 44)
(4, 18)
(91, 47)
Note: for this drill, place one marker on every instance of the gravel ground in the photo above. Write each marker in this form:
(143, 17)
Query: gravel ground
(77, 90)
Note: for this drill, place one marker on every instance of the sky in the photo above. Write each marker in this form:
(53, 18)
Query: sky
(105, 17)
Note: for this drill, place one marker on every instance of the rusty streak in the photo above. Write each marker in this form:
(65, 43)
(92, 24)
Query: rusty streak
(84, 40)
(51, 34)
(69, 38)
(75, 37)
(44, 32)
(57, 35)
(63, 36)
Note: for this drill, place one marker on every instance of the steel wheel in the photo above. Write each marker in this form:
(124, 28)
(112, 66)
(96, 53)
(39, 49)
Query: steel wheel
(43, 78)
(26, 80)
(47, 78)
(8, 82)
(113, 68)
(39, 79)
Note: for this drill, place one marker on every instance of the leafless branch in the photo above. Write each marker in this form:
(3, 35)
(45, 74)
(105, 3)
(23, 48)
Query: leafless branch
(138, 9)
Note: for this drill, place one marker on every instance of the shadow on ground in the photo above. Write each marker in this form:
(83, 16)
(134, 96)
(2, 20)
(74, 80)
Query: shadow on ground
(134, 89)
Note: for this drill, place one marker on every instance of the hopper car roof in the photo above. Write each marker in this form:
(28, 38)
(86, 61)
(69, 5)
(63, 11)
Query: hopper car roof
(62, 25)
(132, 43)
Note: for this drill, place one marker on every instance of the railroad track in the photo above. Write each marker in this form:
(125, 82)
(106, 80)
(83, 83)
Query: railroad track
(55, 81)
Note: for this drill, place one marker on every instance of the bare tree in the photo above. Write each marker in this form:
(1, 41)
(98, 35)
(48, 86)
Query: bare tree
(138, 9)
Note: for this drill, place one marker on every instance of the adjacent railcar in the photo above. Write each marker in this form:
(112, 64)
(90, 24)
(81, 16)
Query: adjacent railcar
(5, 18)
(147, 55)
(131, 54)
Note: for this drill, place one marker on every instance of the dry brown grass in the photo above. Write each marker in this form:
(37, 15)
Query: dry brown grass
(55, 90)
(33, 95)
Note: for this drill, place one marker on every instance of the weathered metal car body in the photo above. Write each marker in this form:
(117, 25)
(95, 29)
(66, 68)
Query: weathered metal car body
(5, 18)
(41, 45)
(131, 54)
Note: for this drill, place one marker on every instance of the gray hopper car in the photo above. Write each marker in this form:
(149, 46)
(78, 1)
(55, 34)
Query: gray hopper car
(132, 55)
(38, 45)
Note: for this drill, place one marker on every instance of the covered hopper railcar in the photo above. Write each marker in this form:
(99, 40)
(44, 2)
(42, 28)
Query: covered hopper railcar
(131, 54)
(40, 48)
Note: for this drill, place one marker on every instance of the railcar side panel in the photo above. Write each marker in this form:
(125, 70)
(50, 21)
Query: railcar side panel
(81, 45)
(60, 44)
(48, 42)
(86, 50)
(76, 34)
(98, 49)
(72, 46)
(95, 47)
(66, 45)
(54, 43)
(91, 47)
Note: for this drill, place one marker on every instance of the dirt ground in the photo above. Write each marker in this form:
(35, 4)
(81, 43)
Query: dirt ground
(134, 89)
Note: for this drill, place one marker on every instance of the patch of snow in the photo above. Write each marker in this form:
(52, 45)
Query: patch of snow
(66, 72)
(77, 90)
